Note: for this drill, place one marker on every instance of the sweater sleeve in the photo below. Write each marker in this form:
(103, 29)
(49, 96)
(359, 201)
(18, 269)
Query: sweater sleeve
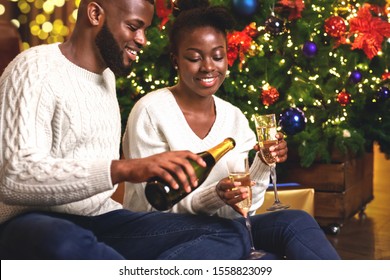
(260, 174)
(30, 173)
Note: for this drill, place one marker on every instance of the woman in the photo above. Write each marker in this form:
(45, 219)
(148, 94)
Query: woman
(189, 116)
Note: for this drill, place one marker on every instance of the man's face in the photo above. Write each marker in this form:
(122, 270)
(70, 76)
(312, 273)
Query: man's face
(123, 33)
(111, 52)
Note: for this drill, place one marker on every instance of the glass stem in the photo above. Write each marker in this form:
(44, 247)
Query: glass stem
(249, 227)
(273, 178)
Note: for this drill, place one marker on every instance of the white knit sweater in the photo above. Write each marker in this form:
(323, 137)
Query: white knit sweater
(156, 124)
(60, 130)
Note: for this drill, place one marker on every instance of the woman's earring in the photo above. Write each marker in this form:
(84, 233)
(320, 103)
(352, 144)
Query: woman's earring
(176, 67)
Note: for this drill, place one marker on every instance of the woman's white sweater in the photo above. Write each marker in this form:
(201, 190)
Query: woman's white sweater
(156, 124)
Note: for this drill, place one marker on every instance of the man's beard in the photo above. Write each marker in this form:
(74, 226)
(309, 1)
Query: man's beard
(111, 52)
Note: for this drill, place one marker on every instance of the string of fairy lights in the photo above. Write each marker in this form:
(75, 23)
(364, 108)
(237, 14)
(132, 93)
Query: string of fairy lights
(372, 82)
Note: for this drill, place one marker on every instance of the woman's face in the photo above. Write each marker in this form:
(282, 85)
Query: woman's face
(202, 61)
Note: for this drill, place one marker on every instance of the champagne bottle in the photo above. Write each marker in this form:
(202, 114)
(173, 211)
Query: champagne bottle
(162, 196)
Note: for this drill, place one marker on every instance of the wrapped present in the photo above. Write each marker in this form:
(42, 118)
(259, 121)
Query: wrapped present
(295, 195)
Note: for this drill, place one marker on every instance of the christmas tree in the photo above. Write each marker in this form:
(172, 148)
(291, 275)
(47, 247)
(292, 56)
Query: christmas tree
(321, 66)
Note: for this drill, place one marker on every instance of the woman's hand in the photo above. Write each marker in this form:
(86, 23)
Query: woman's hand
(232, 193)
(278, 151)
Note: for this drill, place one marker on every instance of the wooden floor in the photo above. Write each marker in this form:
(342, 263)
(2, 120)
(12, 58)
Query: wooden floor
(368, 237)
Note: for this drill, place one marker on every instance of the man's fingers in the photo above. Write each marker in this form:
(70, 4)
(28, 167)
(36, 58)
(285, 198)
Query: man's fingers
(177, 169)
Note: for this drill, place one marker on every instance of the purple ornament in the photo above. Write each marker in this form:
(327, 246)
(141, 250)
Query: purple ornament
(383, 93)
(292, 121)
(356, 76)
(310, 49)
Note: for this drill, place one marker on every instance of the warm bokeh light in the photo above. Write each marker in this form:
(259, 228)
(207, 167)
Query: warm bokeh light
(2, 9)
(45, 24)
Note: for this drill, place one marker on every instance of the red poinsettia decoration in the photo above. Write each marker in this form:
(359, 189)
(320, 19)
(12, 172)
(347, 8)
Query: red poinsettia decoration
(386, 75)
(295, 7)
(269, 95)
(239, 43)
(164, 10)
(370, 30)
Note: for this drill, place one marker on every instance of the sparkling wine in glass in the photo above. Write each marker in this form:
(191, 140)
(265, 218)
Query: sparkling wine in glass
(239, 172)
(266, 134)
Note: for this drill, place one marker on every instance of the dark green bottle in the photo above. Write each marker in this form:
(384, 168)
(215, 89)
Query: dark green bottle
(160, 194)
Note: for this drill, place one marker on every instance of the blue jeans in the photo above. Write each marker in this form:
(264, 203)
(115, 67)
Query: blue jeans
(291, 234)
(122, 234)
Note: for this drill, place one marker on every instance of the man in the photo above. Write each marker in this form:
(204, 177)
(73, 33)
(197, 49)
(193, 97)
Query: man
(60, 133)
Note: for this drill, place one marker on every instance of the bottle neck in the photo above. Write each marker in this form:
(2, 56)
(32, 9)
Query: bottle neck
(221, 149)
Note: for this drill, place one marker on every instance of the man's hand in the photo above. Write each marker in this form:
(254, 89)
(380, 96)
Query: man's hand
(165, 165)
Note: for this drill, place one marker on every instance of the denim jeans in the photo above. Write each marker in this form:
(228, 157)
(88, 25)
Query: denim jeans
(122, 234)
(291, 234)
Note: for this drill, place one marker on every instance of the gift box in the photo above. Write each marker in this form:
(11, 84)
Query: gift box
(296, 195)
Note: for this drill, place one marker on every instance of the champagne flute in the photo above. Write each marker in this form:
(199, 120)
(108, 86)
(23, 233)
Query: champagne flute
(266, 133)
(239, 172)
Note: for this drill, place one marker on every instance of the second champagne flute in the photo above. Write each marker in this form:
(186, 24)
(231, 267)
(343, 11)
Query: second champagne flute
(239, 172)
(266, 133)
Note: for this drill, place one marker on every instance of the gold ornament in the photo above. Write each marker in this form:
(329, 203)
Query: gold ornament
(253, 49)
(343, 7)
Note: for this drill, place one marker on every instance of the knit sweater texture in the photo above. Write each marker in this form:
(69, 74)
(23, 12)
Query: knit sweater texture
(60, 130)
(157, 124)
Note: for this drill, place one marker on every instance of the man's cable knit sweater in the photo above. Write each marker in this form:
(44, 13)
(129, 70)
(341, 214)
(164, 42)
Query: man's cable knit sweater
(157, 124)
(60, 130)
